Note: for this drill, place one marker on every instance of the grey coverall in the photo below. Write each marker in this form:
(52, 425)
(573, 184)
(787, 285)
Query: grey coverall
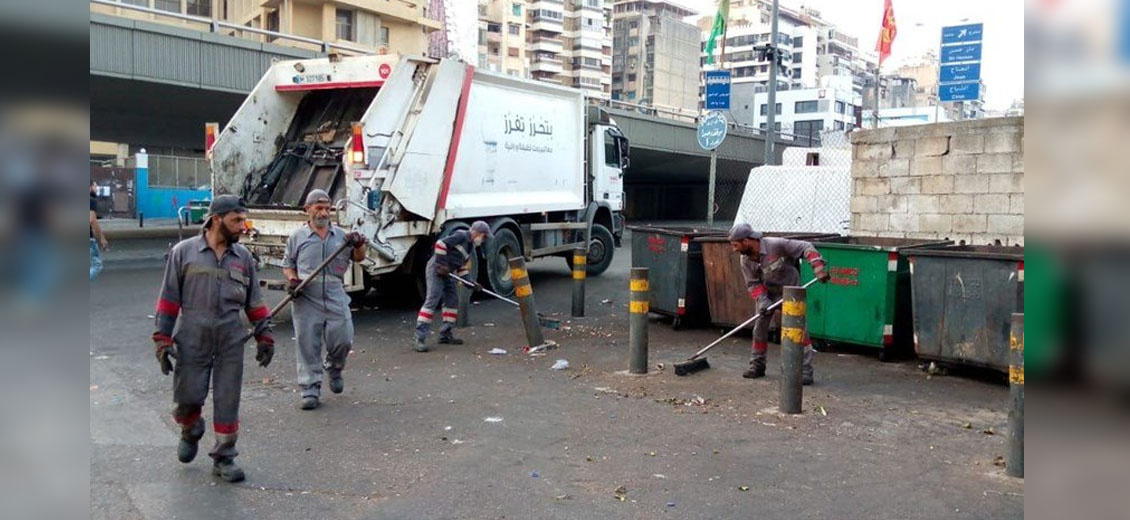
(321, 311)
(453, 251)
(765, 279)
(208, 295)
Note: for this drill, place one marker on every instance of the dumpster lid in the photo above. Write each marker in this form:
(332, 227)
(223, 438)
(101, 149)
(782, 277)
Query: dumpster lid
(877, 243)
(681, 230)
(799, 235)
(1011, 253)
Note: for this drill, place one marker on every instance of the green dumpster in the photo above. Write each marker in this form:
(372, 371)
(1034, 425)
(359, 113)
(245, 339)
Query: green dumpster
(867, 301)
(196, 211)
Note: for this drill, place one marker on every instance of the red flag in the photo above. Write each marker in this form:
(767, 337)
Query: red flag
(886, 32)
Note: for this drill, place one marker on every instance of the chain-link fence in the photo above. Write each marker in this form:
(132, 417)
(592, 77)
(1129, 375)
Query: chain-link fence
(168, 171)
(810, 191)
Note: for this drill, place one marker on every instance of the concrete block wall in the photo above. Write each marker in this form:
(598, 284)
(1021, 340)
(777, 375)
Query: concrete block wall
(962, 181)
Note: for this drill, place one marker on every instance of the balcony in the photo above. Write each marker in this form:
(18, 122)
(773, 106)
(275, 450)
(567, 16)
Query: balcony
(543, 44)
(546, 24)
(544, 64)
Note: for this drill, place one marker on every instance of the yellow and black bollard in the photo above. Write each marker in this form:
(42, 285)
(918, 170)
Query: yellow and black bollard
(524, 292)
(580, 269)
(637, 323)
(1014, 465)
(793, 336)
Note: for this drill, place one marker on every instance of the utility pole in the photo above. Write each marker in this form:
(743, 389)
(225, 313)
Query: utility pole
(771, 106)
(875, 114)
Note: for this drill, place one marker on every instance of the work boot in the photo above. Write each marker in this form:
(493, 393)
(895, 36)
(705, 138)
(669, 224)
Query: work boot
(418, 345)
(806, 379)
(189, 442)
(228, 470)
(337, 384)
(450, 340)
(754, 373)
(310, 402)
(756, 369)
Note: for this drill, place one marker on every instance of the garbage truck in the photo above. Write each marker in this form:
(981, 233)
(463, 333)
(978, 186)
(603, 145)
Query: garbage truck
(414, 148)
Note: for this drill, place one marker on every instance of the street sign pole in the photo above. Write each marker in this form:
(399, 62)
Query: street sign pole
(710, 190)
(771, 107)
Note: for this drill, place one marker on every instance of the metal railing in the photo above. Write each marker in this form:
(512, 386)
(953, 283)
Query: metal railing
(216, 26)
(169, 171)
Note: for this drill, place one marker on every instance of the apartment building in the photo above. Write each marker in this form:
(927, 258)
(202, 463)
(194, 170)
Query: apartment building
(813, 48)
(655, 54)
(377, 26)
(561, 41)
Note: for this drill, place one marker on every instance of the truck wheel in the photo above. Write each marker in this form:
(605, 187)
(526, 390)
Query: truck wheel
(601, 248)
(498, 252)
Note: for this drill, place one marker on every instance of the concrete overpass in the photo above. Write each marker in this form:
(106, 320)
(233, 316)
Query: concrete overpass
(156, 84)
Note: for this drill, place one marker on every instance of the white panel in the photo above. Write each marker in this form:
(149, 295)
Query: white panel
(520, 150)
(797, 199)
(420, 175)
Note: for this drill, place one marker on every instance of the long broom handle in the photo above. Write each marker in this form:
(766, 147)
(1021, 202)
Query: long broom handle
(484, 289)
(743, 325)
(302, 285)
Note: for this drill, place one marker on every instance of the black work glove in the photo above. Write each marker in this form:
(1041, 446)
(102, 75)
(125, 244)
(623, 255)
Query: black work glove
(356, 239)
(442, 270)
(264, 350)
(166, 352)
(820, 269)
(478, 286)
(292, 286)
(766, 307)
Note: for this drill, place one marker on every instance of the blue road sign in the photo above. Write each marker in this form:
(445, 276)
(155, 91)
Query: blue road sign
(712, 130)
(963, 72)
(959, 91)
(962, 33)
(961, 52)
(717, 90)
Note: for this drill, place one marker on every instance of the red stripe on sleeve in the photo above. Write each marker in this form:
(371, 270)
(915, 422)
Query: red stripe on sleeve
(168, 307)
(226, 428)
(258, 313)
(757, 292)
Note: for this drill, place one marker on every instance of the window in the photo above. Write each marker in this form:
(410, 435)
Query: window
(343, 21)
(796, 57)
(515, 29)
(516, 9)
(840, 108)
(592, 62)
(776, 126)
(273, 21)
(633, 41)
(765, 106)
(199, 7)
(384, 36)
(805, 107)
(798, 41)
(839, 125)
(633, 24)
(172, 6)
(494, 27)
(631, 77)
(611, 150)
(808, 128)
(512, 52)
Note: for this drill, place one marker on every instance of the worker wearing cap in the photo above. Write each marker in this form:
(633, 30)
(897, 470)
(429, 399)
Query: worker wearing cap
(452, 254)
(209, 280)
(321, 311)
(768, 266)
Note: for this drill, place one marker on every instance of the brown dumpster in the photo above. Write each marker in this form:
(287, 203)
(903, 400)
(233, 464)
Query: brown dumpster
(726, 296)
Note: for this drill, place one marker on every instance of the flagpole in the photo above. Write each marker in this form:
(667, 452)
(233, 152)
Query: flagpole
(875, 114)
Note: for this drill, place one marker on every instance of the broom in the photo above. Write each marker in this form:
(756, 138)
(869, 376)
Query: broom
(697, 363)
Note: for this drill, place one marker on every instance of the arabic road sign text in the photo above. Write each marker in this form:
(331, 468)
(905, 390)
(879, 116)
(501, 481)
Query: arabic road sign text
(962, 33)
(717, 90)
(961, 52)
(712, 130)
(962, 72)
(959, 91)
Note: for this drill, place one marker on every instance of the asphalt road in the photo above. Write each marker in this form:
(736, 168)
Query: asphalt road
(409, 437)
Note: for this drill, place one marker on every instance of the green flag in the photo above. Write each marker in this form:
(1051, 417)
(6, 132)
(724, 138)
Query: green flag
(718, 30)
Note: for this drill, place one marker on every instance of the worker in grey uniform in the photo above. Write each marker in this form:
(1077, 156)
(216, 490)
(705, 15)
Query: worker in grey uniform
(452, 254)
(768, 266)
(321, 311)
(209, 279)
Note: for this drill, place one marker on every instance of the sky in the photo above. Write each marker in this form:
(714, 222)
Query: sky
(919, 24)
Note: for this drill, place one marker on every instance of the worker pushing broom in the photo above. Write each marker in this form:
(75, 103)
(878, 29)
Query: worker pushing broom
(768, 266)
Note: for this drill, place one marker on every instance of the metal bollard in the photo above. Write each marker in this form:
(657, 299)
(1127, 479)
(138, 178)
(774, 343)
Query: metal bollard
(1014, 465)
(464, 293)
(140, 219)
(580, 270)
(637, 324)
(793, 334)
(525, 295)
